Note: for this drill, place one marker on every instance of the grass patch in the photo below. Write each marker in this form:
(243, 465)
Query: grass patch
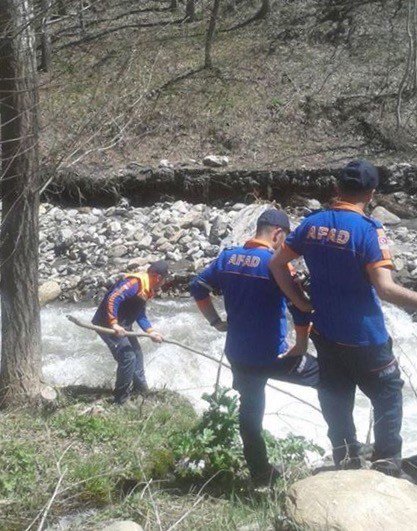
(139, 462)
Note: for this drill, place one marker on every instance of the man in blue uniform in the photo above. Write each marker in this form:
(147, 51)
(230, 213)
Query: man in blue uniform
(122, 305)
(256, 330)
(350, 265)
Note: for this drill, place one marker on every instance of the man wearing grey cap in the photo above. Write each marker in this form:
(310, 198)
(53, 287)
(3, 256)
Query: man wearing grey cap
(256, 345)
(124, 304)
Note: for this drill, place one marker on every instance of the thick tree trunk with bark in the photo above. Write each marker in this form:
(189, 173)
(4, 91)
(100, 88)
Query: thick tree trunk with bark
(20, 370)
(210, 33)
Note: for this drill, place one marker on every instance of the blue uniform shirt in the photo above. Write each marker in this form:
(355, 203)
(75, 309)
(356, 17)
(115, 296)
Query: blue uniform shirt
(339, 246)
(255, 305)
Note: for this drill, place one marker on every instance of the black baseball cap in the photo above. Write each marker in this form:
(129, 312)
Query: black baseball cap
(274, 218)
(359, 176)
(160, 267)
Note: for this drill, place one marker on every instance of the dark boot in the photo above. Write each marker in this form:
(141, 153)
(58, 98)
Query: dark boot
(268, 477)
(390, 466)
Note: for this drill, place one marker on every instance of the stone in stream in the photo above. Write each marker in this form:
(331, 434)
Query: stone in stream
(353, 500)
(48, 292)
(385, 216)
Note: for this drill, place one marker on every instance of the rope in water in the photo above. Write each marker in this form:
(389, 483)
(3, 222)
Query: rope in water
(103, 330)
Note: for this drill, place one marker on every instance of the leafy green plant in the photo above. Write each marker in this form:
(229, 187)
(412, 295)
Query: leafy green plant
(213, 444)
(17, 468)
(291, 450)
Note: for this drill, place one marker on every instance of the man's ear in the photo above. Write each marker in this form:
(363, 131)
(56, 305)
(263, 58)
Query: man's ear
(279, 235)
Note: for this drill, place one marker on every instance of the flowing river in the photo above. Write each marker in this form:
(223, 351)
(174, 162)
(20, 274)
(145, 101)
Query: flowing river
(76, 356)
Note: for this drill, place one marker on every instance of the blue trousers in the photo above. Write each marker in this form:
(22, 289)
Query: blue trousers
(375, 371)
(250, 383)
(130, 373)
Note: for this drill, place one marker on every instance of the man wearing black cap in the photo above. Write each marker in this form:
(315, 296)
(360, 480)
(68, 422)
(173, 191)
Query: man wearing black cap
(350, 265)
(122, 305)
(256, 330)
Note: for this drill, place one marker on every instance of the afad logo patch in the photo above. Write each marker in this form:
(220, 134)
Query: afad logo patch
(383, 244)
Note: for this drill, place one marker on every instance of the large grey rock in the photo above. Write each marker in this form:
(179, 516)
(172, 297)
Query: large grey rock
(123, 525)
(48, 292)
(385, 216)
(353, 500)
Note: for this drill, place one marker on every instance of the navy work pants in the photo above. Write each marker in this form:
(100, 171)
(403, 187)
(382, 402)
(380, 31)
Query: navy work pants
(250, 383)
(375, 371)
(130, 370)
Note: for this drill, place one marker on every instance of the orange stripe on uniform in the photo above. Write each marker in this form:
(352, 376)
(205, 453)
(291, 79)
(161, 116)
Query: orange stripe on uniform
(113, 297)
(381, 263)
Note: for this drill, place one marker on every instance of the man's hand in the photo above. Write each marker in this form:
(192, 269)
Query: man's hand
(156, 337)
(119, 330)
(296, 351)
(221, 326)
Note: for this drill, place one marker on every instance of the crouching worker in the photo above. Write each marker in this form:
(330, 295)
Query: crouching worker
(256, 328)
(122, 305)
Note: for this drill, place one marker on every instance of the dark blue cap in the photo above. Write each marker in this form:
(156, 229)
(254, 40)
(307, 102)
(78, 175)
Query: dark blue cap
(160, 268)
(274, 218)
(359, 176)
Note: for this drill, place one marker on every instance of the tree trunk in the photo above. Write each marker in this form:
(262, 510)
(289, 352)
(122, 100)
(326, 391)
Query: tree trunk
(45, 36)
(20, 369)
(210, 33)
(190, 10)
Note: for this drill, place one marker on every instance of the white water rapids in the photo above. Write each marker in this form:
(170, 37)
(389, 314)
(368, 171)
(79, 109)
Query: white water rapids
(76, 356)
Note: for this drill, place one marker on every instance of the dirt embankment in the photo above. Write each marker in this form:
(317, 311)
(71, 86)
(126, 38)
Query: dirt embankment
(144, 185)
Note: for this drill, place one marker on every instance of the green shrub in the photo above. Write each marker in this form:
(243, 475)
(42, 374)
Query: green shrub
(17, 468)
(213, 444)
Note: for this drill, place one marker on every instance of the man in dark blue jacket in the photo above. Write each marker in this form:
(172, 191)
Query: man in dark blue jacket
(124, 304)
(256, 328)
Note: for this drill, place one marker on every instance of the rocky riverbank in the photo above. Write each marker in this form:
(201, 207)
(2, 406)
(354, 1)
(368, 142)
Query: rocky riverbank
(83, 249)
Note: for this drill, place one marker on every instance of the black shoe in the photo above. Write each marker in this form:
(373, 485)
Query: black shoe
(142, 390)
(389, 466)
(352, 463)
(267, 478)
(119, 401)
(409, 467)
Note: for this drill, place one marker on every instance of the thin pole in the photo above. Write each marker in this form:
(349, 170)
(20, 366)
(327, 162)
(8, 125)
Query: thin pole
(103, 330)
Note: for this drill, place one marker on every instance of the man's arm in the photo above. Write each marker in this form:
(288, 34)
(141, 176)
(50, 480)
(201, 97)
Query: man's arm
(279, 269)
(200, 288)
(389, 291)
(146, 326)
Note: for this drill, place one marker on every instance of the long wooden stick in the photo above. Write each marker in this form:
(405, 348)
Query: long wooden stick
(109, 331)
